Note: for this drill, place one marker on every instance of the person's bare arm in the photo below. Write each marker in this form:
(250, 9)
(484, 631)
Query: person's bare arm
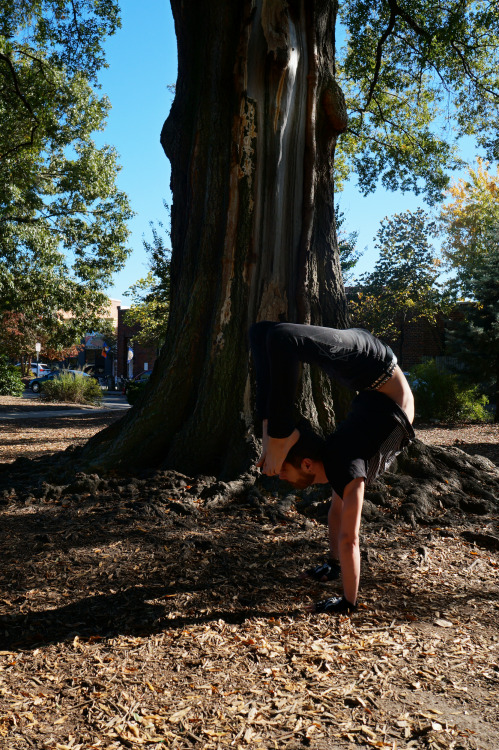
(348, 540)
(333, 523)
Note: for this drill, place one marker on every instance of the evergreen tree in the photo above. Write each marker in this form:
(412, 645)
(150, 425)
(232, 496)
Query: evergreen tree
(151, 295)
(403, 286)
(347, 247)
(474, 339)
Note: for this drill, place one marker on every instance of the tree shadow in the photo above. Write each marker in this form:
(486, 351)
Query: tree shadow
(489, 450)
(252, 570)
(105, 616)
(52, 553)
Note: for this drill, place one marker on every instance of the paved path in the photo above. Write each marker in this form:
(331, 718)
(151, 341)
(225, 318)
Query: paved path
(111, 401)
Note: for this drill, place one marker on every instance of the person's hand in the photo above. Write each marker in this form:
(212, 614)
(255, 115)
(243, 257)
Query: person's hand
(265, 440)
(277, 450)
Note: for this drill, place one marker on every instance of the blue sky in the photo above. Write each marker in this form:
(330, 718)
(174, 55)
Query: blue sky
(142, 59)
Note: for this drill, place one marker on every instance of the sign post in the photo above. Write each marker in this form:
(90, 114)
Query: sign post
(38, 348)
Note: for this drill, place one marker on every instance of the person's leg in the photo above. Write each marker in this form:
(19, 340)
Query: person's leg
(276, 367)
(283, 355)
(258, 344)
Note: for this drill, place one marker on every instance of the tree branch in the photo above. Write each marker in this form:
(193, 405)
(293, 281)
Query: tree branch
(17, 87)
(50, 216)
(429, 37)
(379, 53)
(42, 64)
(20, 146)
(395, 7)
(470, 73)
(75, 21)
(425, 62)
(382, 142)
(20, 95)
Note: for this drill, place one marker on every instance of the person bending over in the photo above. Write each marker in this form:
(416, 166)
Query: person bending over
(377, 428)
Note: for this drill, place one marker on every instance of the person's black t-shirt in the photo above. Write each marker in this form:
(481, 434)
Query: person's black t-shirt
(369, 439)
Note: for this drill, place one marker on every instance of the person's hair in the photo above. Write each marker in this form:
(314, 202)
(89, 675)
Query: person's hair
(309, 445)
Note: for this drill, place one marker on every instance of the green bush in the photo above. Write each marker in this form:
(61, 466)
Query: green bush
(10, 380)
(78, 390)
(133, 391)
(439, 394)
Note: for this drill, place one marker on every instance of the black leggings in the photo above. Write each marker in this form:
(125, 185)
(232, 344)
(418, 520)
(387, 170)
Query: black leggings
(353, 357)
(277, 370)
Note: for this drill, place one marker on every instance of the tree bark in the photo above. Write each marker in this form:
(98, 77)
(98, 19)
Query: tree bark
(250, 137)
(496, 411)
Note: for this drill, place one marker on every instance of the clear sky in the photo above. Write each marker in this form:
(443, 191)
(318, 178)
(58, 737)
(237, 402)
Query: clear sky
(142, 59)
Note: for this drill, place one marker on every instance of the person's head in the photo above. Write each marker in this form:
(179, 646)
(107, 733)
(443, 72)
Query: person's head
(304, 459)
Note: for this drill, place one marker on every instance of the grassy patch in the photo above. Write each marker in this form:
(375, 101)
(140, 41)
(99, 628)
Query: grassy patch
(78, 390)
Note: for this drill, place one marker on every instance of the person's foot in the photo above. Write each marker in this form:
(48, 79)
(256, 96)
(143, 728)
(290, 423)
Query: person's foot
(327, 571)
(334, 605)
(277, 450)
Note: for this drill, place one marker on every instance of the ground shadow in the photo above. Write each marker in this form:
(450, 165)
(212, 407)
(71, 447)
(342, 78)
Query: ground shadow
(228, 564)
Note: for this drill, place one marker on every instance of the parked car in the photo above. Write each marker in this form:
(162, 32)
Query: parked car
(36, 384)
(141, 378)
(42, 368)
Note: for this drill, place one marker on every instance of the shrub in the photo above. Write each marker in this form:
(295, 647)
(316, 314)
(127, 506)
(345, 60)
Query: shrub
(78, 390)
(10, 380)
(133, 391)
(439, 394)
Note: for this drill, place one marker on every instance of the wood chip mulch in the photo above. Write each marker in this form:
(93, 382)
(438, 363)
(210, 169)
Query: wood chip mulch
(32, 437)
(126, 622)
(476, 439)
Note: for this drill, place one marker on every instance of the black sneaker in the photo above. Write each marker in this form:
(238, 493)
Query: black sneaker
(335, 605)
(328, 571)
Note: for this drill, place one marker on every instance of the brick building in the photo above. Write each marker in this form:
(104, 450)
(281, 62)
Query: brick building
(96, 353)
(132, 358)
(423, 340)
(420, 340)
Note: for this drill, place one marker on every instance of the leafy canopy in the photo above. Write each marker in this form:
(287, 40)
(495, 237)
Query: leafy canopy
(470, 221)
(404, 284)
(347, 247)
(69, 32)
(151, 295)
(63, 221)
(417, 75)
(471, 224)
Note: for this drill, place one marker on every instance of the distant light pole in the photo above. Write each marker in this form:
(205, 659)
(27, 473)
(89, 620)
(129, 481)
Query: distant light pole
(38, 348)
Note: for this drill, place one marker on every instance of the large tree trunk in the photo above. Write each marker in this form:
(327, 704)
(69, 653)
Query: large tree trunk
(250, 137)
